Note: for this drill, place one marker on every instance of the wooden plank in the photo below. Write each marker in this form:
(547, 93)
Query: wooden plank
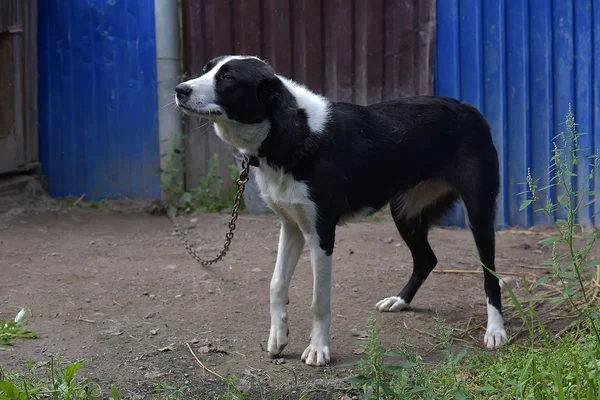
(31, 83)
(369, 35)
(277, 35)
(424, 47)
(339, 47)
(18, 78)
(308, 44)
(8, 144)
(194, 57)
(355, 51)
(246, 24)
(399, 57)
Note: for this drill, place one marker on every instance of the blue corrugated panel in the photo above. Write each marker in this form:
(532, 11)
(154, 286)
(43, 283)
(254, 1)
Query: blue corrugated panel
(97, 98)
(448, 49)
(521, 63)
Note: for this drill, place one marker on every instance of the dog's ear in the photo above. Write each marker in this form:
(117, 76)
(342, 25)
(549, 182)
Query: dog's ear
(268, 89)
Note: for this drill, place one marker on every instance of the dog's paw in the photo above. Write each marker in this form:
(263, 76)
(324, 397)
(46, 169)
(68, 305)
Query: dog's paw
(316, 356)
(391, 304)
(494, 337)
(278, 339)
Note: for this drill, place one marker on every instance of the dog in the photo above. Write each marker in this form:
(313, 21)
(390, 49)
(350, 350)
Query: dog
(318, 162)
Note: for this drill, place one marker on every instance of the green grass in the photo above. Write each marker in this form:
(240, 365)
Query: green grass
(213, 193)
(14, 329)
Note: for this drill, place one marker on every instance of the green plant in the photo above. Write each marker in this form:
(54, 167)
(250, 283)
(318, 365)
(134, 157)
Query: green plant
(233, 390)
(171, 175)
(10, 330)
(374, 379)
(59, 381)
(557, 366)
(577, 274)
(212, 194)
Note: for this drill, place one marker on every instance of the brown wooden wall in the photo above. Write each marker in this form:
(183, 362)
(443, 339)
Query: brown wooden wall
(360, 51)
(18, 85)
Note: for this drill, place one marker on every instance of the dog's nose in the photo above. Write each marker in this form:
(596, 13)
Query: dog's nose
(183, 90)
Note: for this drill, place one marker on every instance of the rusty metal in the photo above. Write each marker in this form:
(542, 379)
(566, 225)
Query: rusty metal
(362, 51)
(240, 182)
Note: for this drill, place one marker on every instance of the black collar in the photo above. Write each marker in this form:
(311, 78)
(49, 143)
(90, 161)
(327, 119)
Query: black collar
(253, 161)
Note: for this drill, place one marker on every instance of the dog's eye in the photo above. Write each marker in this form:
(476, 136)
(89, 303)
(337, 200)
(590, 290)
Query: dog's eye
(227, 77)
(203, 70)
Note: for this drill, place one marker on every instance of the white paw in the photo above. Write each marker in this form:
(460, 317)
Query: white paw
(391, 304)
(316, 355)
(494, 337)
(278, 339)
(495, 333)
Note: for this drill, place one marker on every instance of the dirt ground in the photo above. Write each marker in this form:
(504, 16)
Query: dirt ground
(117, 288)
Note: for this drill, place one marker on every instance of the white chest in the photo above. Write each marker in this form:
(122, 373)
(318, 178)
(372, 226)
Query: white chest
(286, 196)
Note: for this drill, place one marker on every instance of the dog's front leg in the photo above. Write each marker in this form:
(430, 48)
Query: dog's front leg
(291, 242)
(317, 353)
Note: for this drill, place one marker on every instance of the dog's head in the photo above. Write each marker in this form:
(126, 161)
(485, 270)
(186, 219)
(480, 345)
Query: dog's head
(234, 88)
(244, 98)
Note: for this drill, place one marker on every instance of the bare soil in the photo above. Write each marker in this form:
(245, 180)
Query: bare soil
(116, 287)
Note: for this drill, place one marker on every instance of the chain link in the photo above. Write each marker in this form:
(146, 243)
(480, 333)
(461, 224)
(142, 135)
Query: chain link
(241, 182)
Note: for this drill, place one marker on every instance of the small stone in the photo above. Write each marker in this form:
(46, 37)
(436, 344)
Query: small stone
(194, 341)
(154, 331)
(171, 266)
(145, 293)
(398, 244)
(389, 240)
(279, 361)
(210, 291)
(141, 367)
(88, 300)
(152, 296)
(205, 349)
(194, 221)
(178, 296)
(351, 251)
(257, 270)
(355, 289)
(538, 251)
(358, 351)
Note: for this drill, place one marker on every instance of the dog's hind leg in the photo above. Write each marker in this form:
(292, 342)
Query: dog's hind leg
(291, 242)
(413, 225)
(479, 201)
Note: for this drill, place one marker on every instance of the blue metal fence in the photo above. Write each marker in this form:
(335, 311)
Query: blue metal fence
(97, 98)
(522, 62)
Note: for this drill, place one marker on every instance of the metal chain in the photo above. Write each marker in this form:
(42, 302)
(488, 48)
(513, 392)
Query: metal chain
(241, 182)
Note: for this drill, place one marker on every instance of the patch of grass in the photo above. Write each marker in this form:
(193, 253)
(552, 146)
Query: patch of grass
(13, 329)
(212, 194)
(80, 202)
(52, 380)
(410, 378)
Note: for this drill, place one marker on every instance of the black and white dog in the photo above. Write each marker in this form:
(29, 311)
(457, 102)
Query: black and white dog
(319, 162)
